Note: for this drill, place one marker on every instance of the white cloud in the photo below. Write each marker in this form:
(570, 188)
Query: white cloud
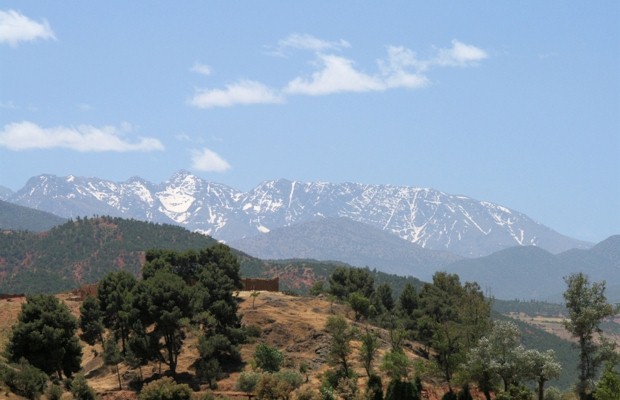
(208, 161)
(201, 69)
(460, 55)
(16, 27)
(308, 42)
(337, 75)
(242, 92)
(85, 138)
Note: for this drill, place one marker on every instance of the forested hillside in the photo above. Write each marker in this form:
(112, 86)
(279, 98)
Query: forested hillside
(83, 251)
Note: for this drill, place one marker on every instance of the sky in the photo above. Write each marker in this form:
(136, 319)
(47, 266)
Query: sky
(516, 103)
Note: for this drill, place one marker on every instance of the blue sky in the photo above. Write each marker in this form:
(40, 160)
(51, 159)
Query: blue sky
(516, 103)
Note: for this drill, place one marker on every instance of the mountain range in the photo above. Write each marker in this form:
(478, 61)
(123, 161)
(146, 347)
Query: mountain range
(530, 272)
(425, 217)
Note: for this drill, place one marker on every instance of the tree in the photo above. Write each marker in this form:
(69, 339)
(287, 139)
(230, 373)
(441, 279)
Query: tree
(345, 281)
(115, 295)
(91, 321)
(587, 307)
(608, 387)
(45, 335)
(340, 347)
(479, 367)
(370, 345)
(384, 294)
(396, 365)
(541, 367)
(447, 322)
(112, 356)
(359, 304)
(165, 301)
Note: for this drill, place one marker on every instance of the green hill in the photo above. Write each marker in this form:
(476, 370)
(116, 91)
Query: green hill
(83, 251)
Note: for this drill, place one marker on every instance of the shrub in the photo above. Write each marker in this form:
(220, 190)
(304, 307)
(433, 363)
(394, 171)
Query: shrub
(307, 393)
(267, 358)
(81, 390)
(253, 331)
(374, 390)
(247, 382)
(401, 390)
(25, 380)
(165, 389)
(54, 392)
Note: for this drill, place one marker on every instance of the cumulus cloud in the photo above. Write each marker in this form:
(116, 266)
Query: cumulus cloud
(241, 92)
(401, 68)
(460, 55)
(208, 161)
(338, 74)
(85, 138)
(16, 27)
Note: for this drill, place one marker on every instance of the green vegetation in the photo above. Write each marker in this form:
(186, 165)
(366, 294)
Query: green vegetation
(83, 251)
(45, 335)
(587, 307)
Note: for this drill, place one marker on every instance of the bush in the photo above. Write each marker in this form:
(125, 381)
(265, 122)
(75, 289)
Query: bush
(25, 380)
(253, 331)
(307, 393)
(268, 359)
(165, 389)
(374, 389)
(81, 390)
(278, 386)
(54, 392)
(247, 382)
(404, 390)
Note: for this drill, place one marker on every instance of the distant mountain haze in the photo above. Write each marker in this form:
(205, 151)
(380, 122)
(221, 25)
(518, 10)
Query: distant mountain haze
(431, 219)
(533, 273)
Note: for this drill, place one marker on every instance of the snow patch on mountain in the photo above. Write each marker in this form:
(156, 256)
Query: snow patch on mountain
(427, 217)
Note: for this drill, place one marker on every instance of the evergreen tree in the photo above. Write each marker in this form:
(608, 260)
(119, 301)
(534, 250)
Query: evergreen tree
(340, 346)
(45, 335)
(91, 321)
(115, 295)
(165, 301)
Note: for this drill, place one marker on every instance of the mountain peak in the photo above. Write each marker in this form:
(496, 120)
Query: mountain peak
(427, 217)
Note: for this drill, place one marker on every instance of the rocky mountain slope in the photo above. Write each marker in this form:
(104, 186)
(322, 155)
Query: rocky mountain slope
(345, 240)
(426, 217)
(16, 217)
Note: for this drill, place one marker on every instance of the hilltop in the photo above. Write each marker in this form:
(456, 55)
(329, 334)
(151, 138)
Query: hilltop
(295, 325)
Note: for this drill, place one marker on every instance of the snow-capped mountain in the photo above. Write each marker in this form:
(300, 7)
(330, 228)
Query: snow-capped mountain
(427, 217)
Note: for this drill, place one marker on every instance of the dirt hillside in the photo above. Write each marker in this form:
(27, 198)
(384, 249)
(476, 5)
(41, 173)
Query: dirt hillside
(295, 325)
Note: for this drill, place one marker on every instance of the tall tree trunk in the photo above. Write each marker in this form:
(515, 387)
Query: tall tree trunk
(118, 374)
(541, 389)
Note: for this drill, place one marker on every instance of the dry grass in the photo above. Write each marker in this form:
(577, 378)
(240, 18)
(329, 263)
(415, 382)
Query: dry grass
(295, 325)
